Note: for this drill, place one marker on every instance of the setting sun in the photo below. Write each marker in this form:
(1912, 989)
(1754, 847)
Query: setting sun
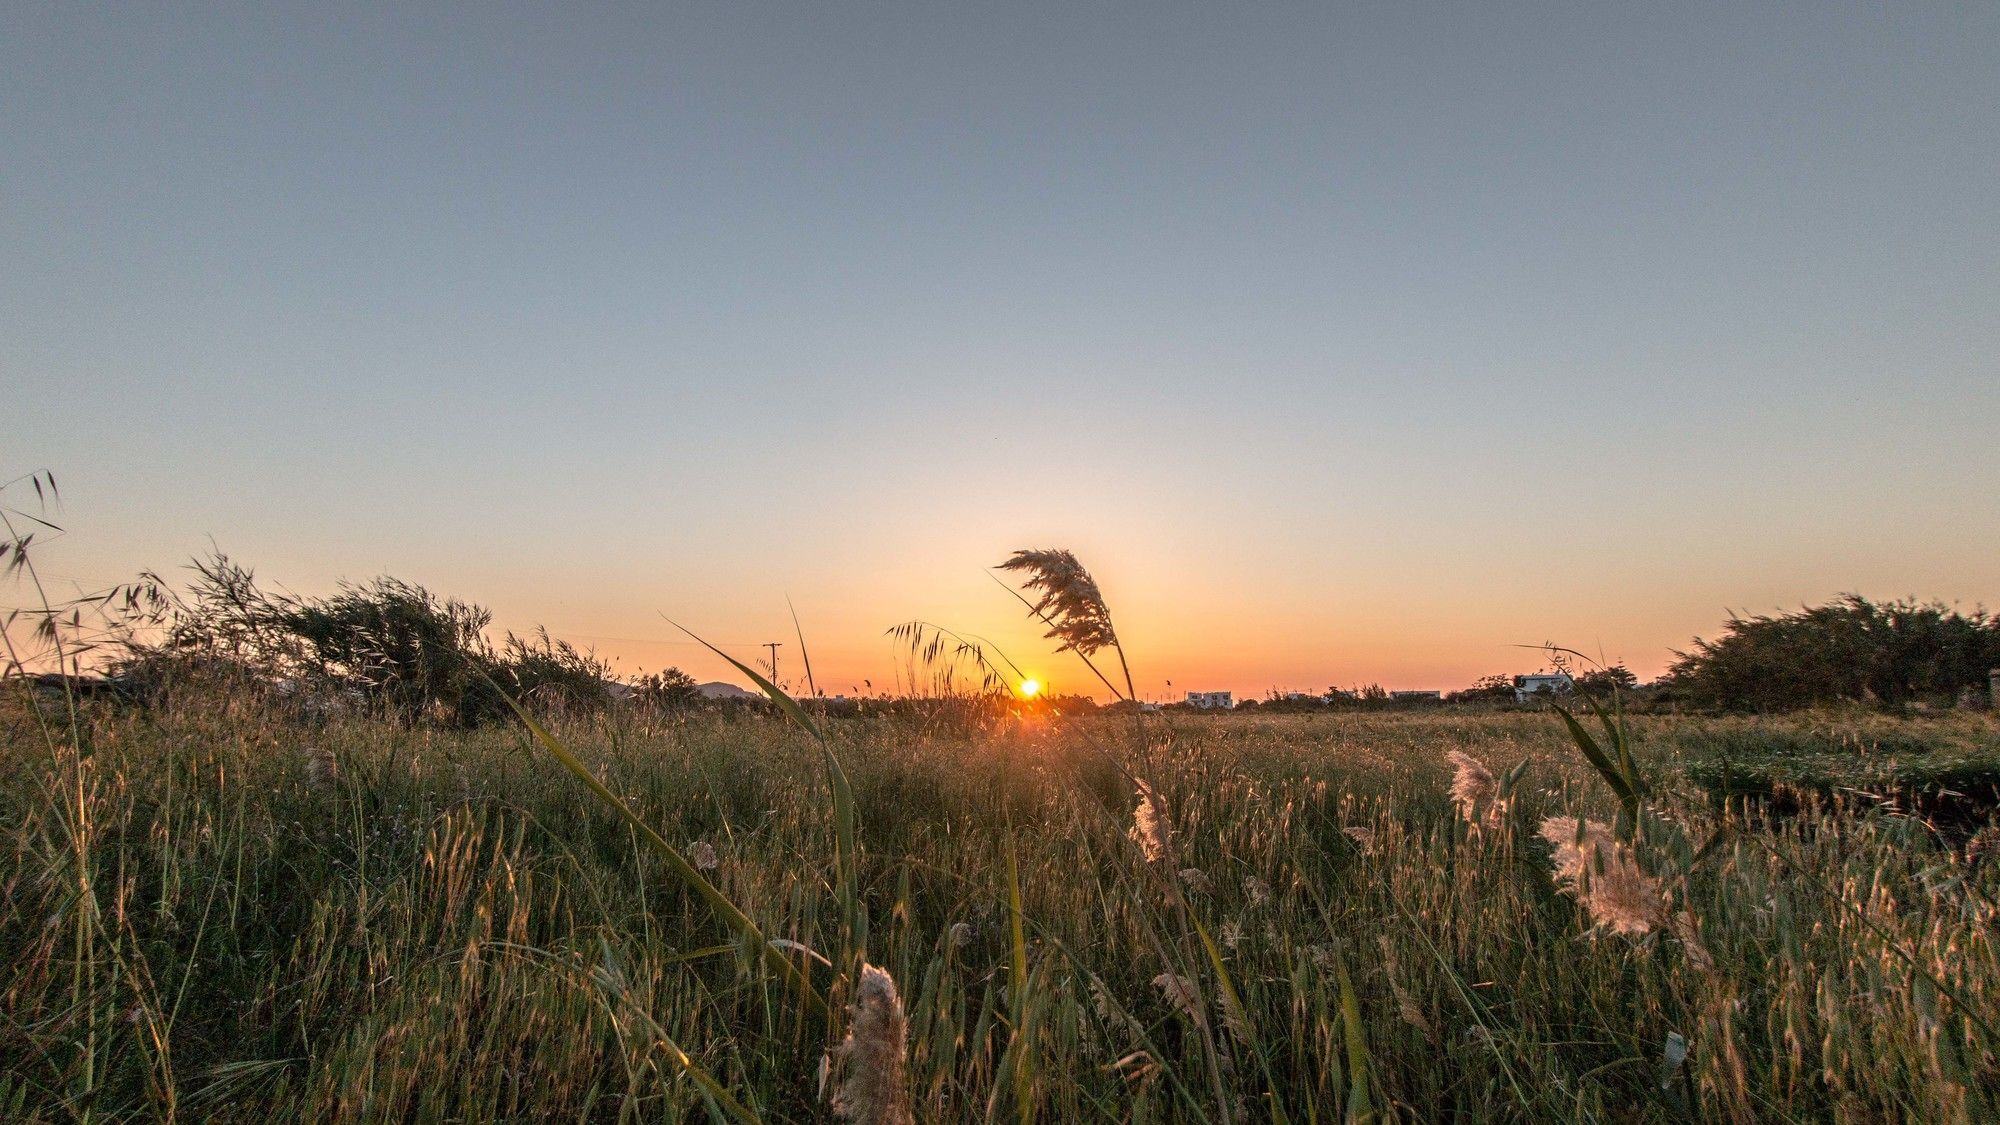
(1030, 688)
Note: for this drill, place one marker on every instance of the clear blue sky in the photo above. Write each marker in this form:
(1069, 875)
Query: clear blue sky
(1345, 342)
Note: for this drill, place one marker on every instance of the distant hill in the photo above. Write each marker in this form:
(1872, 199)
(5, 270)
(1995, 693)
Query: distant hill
(716, 689)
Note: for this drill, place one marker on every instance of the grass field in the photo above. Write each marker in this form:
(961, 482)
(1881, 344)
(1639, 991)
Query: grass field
(213, 913)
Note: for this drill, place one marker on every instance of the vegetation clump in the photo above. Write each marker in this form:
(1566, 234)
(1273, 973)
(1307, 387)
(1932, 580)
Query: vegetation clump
(1895, 654)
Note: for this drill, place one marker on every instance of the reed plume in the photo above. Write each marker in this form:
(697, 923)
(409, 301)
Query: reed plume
(1149, 829)
(1602, 875)
(874, 1091)
(1181, 993)
(1475, 791)
(322, 768)
(1070, 601)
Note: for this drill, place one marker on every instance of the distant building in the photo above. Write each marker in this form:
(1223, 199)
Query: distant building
(1541, 685)
(1210, 700)
(1303, 696)
(1417, 696)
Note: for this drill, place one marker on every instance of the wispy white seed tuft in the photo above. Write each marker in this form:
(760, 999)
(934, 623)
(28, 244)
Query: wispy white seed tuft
(1149, 829)
(874, 1091)
(1181, 993)
(702, 855)
(1475, 791)
(1603, 876)
(961, 934)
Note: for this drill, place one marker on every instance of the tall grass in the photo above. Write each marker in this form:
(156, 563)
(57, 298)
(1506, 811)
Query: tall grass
(197, 924)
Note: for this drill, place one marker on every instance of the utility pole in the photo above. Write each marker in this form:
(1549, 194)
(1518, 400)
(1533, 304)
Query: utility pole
(774, 646)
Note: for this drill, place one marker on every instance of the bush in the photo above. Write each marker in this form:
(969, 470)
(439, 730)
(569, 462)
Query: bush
(1895, 654)
(386, 646)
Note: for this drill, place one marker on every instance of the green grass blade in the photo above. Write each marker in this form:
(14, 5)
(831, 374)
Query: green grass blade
(798, 630)
(1604, 766)
(1237, 1015)
(847, 842)
(1360, 1105)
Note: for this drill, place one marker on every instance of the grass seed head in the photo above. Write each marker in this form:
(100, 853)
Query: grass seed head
(322, 768)
(1475, 791)
(1603, 876)
(1181, 993)
(874, 1091)
(1149, 828)
(1070, 600)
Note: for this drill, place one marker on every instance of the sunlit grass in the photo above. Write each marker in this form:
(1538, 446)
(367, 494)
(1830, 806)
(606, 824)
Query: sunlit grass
(198, 921)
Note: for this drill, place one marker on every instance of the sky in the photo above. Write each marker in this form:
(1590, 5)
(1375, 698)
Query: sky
(1345, 343)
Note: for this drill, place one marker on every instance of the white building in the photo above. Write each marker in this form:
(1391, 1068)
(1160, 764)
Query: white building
(1541, 685)
(1210, 700)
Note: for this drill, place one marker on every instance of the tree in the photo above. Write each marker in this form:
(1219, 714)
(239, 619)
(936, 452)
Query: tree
(548, 672)
(402, 647)
(1851, 649)
(1497, 688)
(671, 690)
(1601, 682)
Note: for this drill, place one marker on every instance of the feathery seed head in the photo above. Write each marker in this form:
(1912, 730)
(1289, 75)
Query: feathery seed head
(322, 768)
(1180, 992)
(1603, 876)
(1070, 600)
(1149, 829)
(874, 1091)
(1475, 791)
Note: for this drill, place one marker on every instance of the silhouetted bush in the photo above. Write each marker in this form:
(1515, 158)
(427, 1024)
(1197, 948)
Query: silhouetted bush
(1894, 654)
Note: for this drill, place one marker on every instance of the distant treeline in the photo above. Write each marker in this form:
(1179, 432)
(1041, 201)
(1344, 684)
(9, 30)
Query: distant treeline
(1894, 655)
(396, 649)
